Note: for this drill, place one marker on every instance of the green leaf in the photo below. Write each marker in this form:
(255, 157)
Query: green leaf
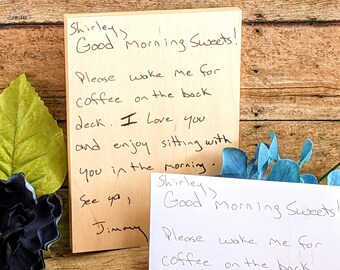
(30, 139)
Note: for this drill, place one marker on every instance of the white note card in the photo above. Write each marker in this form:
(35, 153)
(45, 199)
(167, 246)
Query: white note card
(203, 222)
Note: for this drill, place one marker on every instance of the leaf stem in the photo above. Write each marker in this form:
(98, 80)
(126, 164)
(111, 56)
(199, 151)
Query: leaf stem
(327, 173)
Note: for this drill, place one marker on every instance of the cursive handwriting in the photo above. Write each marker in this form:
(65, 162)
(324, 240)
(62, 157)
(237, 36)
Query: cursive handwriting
(102, 228)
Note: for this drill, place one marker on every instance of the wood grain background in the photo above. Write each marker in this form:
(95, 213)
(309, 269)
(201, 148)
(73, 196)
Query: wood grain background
(289, 81)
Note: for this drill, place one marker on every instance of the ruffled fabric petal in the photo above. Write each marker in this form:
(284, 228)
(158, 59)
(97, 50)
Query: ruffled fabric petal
(27, 225)
(14, 191)
(26, 259)
(43, 230)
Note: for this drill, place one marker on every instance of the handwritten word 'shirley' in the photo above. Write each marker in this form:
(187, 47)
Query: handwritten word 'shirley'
(165, 181)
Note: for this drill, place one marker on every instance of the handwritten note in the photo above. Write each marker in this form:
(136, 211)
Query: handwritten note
(147, 91)
(201, 222)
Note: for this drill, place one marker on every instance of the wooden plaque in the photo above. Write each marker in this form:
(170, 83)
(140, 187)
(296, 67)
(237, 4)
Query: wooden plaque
(146, 91)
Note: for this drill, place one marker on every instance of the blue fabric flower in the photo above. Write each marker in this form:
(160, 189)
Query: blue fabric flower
(267, 164)
(27, 224)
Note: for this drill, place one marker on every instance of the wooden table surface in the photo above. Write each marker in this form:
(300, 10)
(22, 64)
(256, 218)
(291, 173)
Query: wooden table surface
(132, 258)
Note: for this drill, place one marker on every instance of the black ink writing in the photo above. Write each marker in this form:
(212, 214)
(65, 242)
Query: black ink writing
(86, 201)
(165, 181)
(306, 244)
(277, 242)
(135, 44)
(183, 259)
(128, 118)
(171, 235)
(98, 122)
(85, 78)
(246, 206)
(113, 198)
(231, 265)
(133, 146)
(139, 166)
(133, 167)
(117, 172)
(97, 26)
(89, 173)
(149, 74)
(158, 120)
(180, 165)
(323, 211)
(207, 71)
(194, 120)
(170, 201)
(92, 147)
(175, 141)
(160, 94)
(240, 239)
(253, 263)
(300, 266)
(183, 73)
(196, 94)
(220, 41)
(97, 99)
(84, 46)
(102, 228)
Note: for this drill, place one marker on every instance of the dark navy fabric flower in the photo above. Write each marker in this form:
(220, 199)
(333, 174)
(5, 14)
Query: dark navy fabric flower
(27, 224)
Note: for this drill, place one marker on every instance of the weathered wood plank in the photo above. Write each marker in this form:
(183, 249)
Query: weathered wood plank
(33, 49)
(296, 103)
(37, 11)
(290, 56)
(287, 72)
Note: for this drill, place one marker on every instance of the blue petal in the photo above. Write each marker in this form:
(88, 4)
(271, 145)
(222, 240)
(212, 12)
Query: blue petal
(263, 160)
(274, 148)
(306, 152)
(234, 163)
(333, 178)
(285, 170)
(308, 179)
(252, 166)
(257, 167)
